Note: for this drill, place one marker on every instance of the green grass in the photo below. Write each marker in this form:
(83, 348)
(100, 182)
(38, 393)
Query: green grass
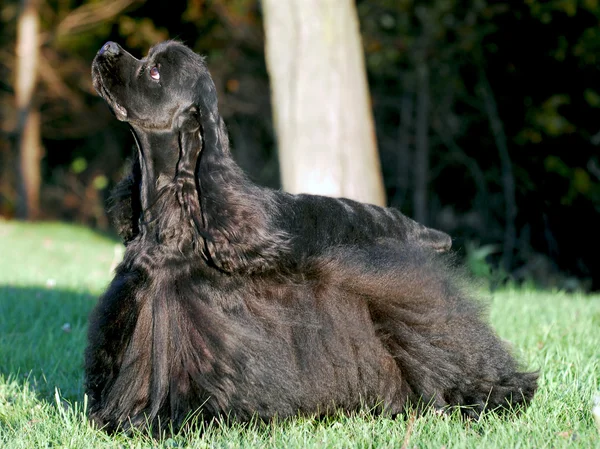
(51, 274)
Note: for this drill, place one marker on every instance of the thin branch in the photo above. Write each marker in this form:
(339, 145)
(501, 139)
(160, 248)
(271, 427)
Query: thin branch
(476, 172)
(404, 148)
(421, 159)
(90, 15)
(508, 180)
(56, 88)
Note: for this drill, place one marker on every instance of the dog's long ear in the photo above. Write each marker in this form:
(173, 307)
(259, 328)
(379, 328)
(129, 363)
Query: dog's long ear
(124, 207)
(190, 146)
(229, 212)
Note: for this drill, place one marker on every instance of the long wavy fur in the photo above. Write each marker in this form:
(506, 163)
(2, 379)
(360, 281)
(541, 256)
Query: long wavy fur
(237, 300)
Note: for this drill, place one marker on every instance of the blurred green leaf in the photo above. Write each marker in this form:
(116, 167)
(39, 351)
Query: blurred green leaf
(100, 182)
(476, 258)
(78, 165)
(592, 97)
(581, 181)
(554, 164)
(550, 120)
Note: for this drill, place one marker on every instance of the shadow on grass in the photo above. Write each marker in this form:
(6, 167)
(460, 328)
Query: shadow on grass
(43, 336)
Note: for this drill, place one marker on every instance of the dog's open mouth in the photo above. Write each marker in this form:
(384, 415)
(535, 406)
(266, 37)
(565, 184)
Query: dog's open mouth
(119, 111)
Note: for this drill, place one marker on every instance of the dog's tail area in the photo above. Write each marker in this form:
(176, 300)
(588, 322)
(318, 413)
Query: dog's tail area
(435, 330)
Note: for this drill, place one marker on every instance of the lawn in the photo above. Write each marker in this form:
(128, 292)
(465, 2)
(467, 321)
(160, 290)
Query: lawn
(51, 275)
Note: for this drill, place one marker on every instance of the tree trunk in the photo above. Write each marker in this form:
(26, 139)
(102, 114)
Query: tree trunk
(28, 125)
(321, 102)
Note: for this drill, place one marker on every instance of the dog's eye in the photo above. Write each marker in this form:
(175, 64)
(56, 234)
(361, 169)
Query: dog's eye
(154, 73)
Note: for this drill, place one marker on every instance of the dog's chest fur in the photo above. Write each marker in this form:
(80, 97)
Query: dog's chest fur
(210, 341)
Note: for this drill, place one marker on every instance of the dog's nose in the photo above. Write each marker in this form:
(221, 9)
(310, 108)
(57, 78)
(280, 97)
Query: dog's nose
(110, 48)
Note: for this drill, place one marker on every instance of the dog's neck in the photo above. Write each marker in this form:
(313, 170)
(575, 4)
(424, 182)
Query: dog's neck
(153, 148)
(158, 153)
(205, 203)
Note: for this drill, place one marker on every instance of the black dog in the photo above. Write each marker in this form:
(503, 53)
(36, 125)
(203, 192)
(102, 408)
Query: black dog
(235, 299)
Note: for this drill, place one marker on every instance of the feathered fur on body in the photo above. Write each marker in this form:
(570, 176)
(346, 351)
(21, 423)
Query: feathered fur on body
(239, 300)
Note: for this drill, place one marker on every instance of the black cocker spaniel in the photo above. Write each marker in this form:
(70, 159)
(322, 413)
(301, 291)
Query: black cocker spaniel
(233, 299)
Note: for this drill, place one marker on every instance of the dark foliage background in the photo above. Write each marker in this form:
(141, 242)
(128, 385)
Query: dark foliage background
(507, 93)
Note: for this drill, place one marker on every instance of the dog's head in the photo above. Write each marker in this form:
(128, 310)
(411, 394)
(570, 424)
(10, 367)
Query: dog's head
(170, 101)
(168, 89)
